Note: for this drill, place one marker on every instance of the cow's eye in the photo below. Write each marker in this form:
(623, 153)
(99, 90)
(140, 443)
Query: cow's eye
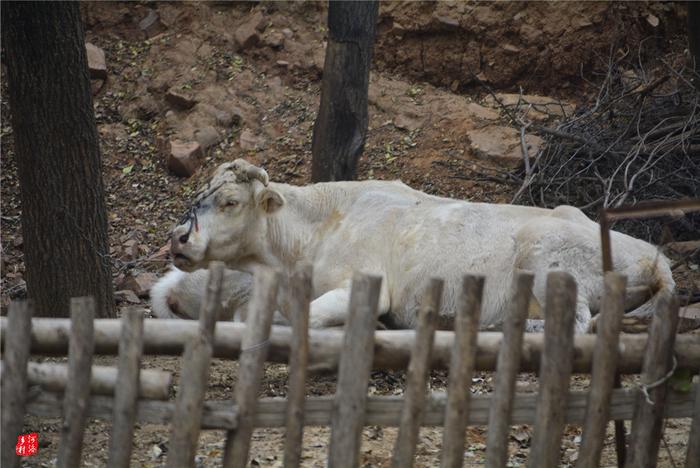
(231, 203)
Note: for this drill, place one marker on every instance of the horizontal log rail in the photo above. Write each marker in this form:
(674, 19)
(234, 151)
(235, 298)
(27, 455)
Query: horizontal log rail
(380, 410)
(392, 348)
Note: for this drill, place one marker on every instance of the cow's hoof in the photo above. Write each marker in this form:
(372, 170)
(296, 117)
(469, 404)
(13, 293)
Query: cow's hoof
(534, 326)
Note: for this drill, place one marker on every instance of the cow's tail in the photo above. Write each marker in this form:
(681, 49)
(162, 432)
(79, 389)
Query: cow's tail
(661, 285)
(160, 293)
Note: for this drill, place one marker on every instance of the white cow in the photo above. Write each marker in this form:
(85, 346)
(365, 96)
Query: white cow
(406, 236)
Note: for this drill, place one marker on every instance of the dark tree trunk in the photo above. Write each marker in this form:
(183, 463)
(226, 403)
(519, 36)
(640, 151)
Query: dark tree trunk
(694, 37)
(341, 125)
(64, 223)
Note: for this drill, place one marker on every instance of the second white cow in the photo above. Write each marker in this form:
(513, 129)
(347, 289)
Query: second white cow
(406, 236)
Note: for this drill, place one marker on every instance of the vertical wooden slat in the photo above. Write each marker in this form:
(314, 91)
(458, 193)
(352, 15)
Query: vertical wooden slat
(461, 370)
(186, 422)
(555, 370)
(127, 389)
(348, 412)
(298, 302)
(252, 360)
(417, 377)
(647, 420)
(506, 372)
(605, 356)
(14, 377)
(77, 395)
(692, 455)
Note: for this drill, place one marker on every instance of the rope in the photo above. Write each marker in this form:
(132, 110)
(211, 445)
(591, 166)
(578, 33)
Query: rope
(646, 387)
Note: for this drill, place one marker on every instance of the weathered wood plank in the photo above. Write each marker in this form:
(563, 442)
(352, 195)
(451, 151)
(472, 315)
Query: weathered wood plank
(77, 395)
(693, 453)
(381, 410)
(298, 301)
(648, 414)
(14, 381)
(555, 371)
(154, 384)
(603, 374)
(461, 371)
(392, 347)
(126, 392)
(417, 377)
(348, 412)
(184, 435)
(507, 372)
(252, 360)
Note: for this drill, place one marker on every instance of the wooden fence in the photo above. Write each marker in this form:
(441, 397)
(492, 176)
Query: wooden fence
(128, 394)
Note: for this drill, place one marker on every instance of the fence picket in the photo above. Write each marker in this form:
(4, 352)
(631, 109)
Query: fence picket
(252, 360)
(692, 455)
(75, 401)
(462, 365)
(647, 422)
(184, 433)
(299, 299)
(507, 372)
(14, 378)
(127, 388)
(555, 370)
(603, 372)
(348, 413)
(417, 377)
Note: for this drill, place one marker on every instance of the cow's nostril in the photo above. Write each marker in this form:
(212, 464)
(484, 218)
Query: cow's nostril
(184, 238)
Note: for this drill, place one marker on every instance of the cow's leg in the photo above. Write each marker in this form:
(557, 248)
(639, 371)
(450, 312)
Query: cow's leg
(582, 319)
(330, 309)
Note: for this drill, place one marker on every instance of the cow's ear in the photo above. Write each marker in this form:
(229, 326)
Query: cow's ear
(270, 200)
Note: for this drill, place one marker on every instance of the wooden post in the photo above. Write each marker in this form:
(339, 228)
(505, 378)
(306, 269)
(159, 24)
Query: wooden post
(648, 416)
(693, 453)
(604, 370)
(555, 370)
(417, 377)
(14, 379)
(507, 372)
(461, 371)
(253, 352)
(298, 301)
(348, 412)
(126, 391)
(75, 401)
(184, 430)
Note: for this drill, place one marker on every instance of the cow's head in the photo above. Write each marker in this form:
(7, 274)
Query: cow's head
(227, 219)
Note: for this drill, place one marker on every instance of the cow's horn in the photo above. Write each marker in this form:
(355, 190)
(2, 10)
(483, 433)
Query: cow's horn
(246, 171)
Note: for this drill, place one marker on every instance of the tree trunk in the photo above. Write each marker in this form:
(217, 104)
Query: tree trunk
(64, 223)
(341, 125)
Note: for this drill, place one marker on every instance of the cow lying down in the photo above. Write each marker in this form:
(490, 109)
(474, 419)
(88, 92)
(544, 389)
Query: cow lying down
(406, 236)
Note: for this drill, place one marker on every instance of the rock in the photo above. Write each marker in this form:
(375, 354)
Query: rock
(151, 24)
(180, 99)
(530, 33)
(275, 40)
(247, 34)
(481, 112)
(96, 61)
(501, 145)
(446, 20)
(184, 158)
(511, 48)
(140, 284)
(207, 137)
(406, 122)
(126, 295)
(249, 141)
(282, 63)
(287, 33)
(130, 249)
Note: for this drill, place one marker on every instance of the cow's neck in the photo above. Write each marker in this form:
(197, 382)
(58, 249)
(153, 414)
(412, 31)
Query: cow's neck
(291, 231)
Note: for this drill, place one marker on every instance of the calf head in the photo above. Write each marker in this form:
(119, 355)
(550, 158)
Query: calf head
(227, 219)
